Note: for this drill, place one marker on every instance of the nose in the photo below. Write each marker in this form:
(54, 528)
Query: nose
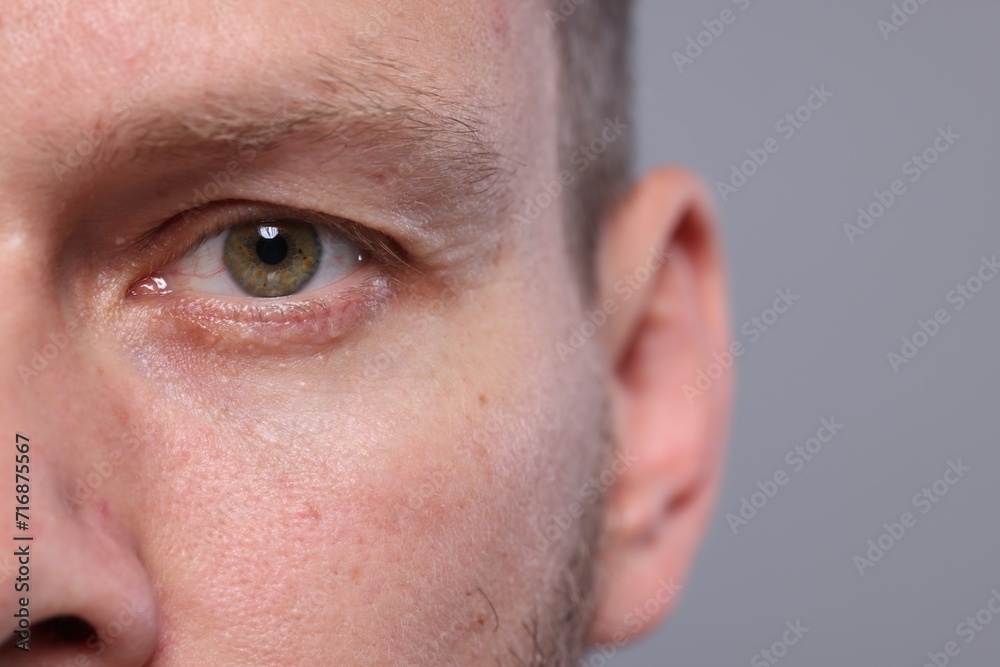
(75, 591)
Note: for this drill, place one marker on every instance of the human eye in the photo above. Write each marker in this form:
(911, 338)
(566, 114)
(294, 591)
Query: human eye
(268, 271)
(265, 256)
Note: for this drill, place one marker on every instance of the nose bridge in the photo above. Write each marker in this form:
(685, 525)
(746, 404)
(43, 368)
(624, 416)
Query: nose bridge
(35, 336)
(30, 336)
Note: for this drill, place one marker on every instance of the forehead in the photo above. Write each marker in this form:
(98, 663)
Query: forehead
(81, 63)
(124, 36)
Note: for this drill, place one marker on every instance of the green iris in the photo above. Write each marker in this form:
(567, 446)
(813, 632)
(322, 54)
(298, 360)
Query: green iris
(273, 257)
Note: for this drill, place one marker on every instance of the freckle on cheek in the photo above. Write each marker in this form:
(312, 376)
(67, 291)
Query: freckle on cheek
(501, 19)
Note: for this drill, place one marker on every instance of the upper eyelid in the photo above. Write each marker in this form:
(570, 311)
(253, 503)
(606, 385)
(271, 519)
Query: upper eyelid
(196, 226)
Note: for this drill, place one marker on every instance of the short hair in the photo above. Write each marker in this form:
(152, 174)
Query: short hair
(594, 38)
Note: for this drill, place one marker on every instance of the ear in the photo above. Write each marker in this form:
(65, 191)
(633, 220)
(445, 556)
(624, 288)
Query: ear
(660, 261)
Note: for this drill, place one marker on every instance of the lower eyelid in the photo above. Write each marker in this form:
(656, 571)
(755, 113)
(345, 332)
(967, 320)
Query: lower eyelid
(268, 324)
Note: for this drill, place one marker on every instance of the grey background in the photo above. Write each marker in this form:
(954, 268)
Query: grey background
(828, 355)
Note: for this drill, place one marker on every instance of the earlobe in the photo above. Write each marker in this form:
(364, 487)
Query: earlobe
(671, 319)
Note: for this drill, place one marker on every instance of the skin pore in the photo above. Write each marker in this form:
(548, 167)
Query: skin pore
(363, 473)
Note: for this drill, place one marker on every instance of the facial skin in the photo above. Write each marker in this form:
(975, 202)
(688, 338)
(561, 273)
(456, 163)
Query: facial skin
(377, 470)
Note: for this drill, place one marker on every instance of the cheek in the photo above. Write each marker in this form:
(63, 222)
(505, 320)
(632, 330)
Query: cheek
(387, 527)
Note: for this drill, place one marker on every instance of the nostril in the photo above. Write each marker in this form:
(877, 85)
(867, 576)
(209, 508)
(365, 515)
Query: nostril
(60, 640)
(62, 630)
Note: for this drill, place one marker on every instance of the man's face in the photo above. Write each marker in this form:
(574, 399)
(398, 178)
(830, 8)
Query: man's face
(364, 471)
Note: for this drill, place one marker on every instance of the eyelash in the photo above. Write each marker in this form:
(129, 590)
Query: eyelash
(306, 318)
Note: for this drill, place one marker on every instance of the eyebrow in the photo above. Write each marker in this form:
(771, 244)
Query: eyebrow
(370, 110)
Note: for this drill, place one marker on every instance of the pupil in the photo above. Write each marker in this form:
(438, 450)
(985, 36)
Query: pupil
(272, 251)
